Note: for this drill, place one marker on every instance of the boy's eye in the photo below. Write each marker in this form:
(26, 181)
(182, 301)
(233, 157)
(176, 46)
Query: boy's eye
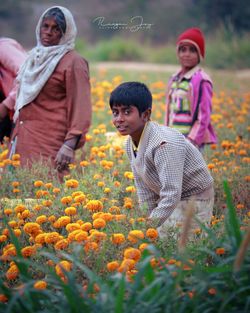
(127, 112)
(114, 113)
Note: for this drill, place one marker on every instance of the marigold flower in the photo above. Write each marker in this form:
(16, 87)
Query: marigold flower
(132, 253)
(62, 221)
(12, 273)
(66, 200)
(72, 183)
(100, 184)
(212, 291)
(112, 266)
(135, 235)
(40, 285)
(106, 216)
(32, 228)
(3, 298)
(63, 266)
(114, 209)
(8, 212)
(91, 246)
(19, 208)
(220, 251)
(94, 205)
(118, 239)
(70, 211)
(210, 166)
(17, 232)
(47, 203)
(126, 265)
(99, 223)
(152, 233)
(80, 198)
(131, 189)
(28, 251)
(86, 226)
(72, 226)
(52, 237)
(40, 238)
(81, 236)
(38, 183)
(61, 244)
(129, 175)
(15, 157)
(56, 190)
(12, 224)
(3, 238)
(41, 219)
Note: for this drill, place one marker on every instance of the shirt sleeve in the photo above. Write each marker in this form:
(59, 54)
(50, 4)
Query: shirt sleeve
(169, 163)
(78, 101)
(199, 128)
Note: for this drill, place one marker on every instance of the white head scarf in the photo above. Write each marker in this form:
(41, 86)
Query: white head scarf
(41, 62)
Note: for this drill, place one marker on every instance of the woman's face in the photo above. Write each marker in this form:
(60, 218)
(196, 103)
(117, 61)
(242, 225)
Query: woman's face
(50, 33)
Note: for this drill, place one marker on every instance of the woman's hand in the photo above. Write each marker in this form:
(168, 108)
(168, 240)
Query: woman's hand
(64, 156)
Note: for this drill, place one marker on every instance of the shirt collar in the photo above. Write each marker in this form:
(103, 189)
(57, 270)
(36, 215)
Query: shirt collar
(136, 149)
(190, 73)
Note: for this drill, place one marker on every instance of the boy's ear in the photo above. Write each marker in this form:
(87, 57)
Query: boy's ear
(146, 115)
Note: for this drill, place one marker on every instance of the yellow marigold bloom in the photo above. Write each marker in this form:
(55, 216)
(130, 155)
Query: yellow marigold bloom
(38, 183)
(32, 228)
(62, 221)
(15, 157)
(96, 215)
(3, 238)
(114, 209)
(247, 178)
(3, 298)
(52, 237)
(47, 203)
(71, 235)
(107, 190)
(28, 251)
(132, 253)
(41, 219)
(40, 285)
(80, 198)
(84, 163)
(128, 204)
(86, 226)
(126, 265)
(135, 235)
(12, 273)
(12, 224)
(119, 217)
(70, 211)
(66, 200)
(210, 166)
(152, 233)
(106, 216)
(220, 251)
(61, 244)
(129, 175)
(51, 218)
(112, 266)
(118, 239)
(130, 189)
(94, 205)
(72, 226)
(72, 183)
(8, 212)
(17, 232)
(143, 246)
(63, 266)
(97, 176)
(56, 190)
(99, 223)
(19, 208)
(100, 184)
(25, 214)
(117, 184)
(91, 246)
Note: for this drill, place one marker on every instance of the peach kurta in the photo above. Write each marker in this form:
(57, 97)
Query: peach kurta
(61, 111)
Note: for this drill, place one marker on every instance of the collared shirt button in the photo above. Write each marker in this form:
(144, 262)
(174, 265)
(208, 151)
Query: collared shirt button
(21, 122)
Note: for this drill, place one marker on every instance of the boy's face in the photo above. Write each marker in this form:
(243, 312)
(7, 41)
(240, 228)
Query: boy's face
(128, 121)
(188, 56)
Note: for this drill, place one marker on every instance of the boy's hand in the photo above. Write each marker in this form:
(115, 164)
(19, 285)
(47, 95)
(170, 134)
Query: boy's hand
(64, 156)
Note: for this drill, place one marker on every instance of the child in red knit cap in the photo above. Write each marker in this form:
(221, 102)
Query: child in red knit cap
(189, 92)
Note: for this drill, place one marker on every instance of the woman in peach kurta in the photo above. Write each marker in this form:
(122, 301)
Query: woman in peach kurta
(50, 124)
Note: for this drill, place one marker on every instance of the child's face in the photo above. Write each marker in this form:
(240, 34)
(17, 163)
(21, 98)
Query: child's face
(188, 56)
(128, 121)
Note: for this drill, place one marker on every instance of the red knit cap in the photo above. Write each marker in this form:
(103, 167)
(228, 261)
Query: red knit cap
(195, 37)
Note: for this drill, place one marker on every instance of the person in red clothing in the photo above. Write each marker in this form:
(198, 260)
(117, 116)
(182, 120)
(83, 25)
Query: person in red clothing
(53, 108)
(189, 92)
(12, 56)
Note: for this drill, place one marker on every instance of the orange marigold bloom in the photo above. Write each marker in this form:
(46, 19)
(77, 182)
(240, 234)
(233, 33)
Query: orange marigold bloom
(91, 246)
(135, 235)
(70, 211)
(118, 238)
(143, 246)
(94, 205)
(32, 228)
(15, 184)
(17, 232)
(66, 200)
(247, 178)
(131, 189)
(41, 219)
(81, 236)
(114, 209)
(220, 251)
(8, 211)
(12, 273)
(3, 238)
(63, 266)
(86, 226)
(15, 157)
(3, 298)
(132, 253)
(72, 183)
(126, 265)
(72, 226)
(112, 266)
(19, 208)
(40, 284)
(62, 221)
(47, 203)
(28, 251)
(61, 244)
(99, 223)
(152, 233)
(40, 238)
(211, 166)
(52, 237)
(38, 183)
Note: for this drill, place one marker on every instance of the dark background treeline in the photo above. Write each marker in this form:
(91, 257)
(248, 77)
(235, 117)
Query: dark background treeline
(221, 20)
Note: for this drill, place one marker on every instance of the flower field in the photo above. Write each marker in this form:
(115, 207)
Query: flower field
(85, 245)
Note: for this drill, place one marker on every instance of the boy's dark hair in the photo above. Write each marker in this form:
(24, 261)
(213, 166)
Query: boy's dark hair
(132, 94)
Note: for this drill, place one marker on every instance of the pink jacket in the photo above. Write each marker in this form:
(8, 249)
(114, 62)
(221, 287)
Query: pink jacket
(200, 96)
(12, 55)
